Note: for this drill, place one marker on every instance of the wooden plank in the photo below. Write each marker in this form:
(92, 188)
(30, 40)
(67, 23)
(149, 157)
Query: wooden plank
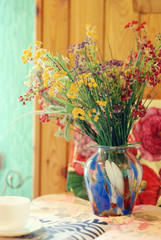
(147, 6)
(86, 12)
(56, 25)
(117, 14)
(153, 27)
(53, 149)
(36, 124)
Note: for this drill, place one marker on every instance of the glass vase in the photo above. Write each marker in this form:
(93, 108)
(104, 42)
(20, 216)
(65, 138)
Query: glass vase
(113, 176)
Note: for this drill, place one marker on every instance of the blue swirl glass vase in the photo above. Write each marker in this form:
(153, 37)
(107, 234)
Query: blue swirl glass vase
(113, 176)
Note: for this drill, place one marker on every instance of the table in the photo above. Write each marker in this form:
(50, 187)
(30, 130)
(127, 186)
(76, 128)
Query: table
(66, 217)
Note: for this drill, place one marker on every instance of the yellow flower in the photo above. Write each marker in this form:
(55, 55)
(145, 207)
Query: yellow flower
(78, 113)
(82, 117)
(89, 113)
(84, 78)
(71, 96)
(39, 53)
(71, 55)
(127, 71)
(24, 60)
(27, 55)
(28, 52)
(44, 59)
(96, 118)
(59, 85)
(60, 74)
(56, 86)
(92, 83)
(51, 92)
(91, 31)
(38, 43)
(73, 88)
(72, 91)
(84, 81)
(95, 84)
(46, 77)
(101, 103)
(38, 66)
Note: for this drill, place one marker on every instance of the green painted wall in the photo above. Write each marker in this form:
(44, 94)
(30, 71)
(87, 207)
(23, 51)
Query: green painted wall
(16, 34)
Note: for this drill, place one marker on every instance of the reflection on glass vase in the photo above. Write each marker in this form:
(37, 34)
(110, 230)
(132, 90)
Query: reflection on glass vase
(113, 176)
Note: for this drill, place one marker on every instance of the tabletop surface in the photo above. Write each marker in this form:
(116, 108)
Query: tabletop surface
(65, 217)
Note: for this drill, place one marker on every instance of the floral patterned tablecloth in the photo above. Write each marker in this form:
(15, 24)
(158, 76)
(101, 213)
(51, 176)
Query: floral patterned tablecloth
(144, 224)
(66, 217)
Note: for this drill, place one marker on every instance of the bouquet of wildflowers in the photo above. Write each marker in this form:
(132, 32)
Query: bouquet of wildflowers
(102, 98)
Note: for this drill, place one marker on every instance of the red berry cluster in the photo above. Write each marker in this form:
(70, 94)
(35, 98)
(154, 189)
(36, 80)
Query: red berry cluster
(27, 97)
(58, 123)
(126, 92)
(152, 58)
(149, 50)
(139, 75)
(134, 23)
(142, 26)
(139, 112)
(31, 93)
(152, 76)
(147, 45)
(117, 108)
(44, 118)
(131, 58)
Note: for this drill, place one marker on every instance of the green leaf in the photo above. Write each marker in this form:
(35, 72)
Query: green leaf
(64, 67)
(66, 103)
(67, 128)
(58, 109)
(59, 134)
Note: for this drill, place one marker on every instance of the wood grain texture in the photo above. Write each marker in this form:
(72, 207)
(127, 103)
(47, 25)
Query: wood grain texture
(118, 14)
(51, 162)
(147, 6)
(86, 12)
(153, 27)
(53, 151)
(56, 25)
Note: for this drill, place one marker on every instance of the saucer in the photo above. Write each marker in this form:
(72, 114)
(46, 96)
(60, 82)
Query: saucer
(31, 226)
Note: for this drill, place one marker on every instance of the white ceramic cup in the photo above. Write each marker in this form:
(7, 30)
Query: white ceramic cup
(14, 212)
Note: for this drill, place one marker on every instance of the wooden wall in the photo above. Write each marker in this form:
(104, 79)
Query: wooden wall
(59, 24)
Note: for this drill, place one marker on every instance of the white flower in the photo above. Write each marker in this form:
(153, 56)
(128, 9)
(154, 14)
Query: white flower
(115, 176)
